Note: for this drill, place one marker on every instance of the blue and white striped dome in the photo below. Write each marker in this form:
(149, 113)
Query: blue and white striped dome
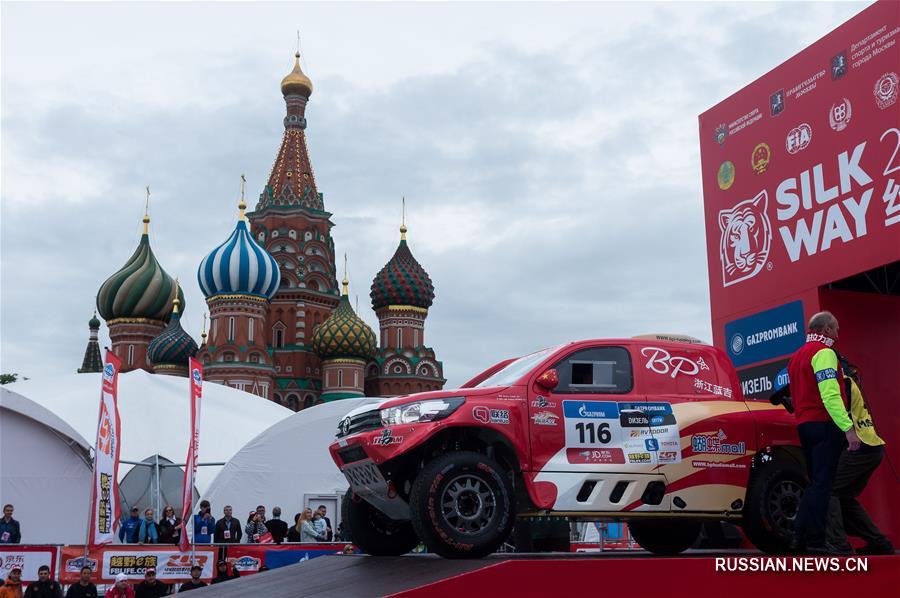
(239, 266)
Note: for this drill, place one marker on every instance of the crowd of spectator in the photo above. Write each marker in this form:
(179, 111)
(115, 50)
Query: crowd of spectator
(310, 526)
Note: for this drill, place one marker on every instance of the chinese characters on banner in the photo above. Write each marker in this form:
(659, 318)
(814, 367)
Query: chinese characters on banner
(190, 467)
(105, 504)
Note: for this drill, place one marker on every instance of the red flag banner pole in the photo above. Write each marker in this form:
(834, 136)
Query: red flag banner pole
(105, 491)
(195, 368)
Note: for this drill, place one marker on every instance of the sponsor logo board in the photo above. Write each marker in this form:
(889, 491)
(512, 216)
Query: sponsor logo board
(759, 382)
(604, 456)
(766, 334)
(486, 415)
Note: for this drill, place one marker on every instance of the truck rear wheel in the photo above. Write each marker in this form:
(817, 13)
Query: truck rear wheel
(664, 536)
(773, 497)
(462, 505)
(373, 532)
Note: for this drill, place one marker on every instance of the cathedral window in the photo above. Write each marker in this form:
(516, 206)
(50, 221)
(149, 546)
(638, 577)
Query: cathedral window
(229, 356)
(399, 337)
(261, 236)
(415, 338)
(254, 358)
(231, 328)
(292, 234)
(250, 331)
(279, 337)
(355, 378)
(130, 354)
(340, 378)
(215, 328)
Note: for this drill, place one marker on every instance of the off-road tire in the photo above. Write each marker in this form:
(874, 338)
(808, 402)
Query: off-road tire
(478, 508)
(373, 532)
(773, 497)
(665, 536)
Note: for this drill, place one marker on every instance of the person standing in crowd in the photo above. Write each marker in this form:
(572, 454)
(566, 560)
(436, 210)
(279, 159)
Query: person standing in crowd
(169, 526)
(276, 526)
(318, 522)
(12, 585)
(128, 530)
(194, 582)
(44, 587)
(260, 510)
(228, 529)
(305, 529)
(84, 588)
(148, 533)
(823, 425)
(121, 589)
(222, 572)
(204, 524)
(150, 587)
(329, 531)
(845, 515)
(255, 528)
(10, 530)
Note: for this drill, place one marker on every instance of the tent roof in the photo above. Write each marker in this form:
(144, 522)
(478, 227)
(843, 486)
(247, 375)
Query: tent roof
(288, 460)
(155, 415)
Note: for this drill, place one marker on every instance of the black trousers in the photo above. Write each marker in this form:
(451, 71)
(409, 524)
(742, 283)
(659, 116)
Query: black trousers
(846, 517)
(822, 444)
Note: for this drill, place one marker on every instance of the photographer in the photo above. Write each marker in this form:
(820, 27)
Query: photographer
(204, 524)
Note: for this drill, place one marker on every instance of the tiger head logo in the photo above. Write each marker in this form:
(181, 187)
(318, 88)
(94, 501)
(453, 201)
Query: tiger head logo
(746, 239)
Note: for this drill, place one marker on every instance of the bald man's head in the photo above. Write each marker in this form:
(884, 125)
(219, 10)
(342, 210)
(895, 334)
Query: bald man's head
(824, 322)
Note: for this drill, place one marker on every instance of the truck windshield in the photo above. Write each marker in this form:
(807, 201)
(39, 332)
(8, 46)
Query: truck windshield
(516, 369)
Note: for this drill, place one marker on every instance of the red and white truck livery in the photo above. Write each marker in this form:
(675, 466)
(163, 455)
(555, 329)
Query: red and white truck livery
(650, 430)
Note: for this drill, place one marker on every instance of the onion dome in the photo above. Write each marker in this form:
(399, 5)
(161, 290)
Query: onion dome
(344, 334)
(173, 346)
(296, 82)
(140, 289)
(239, 266)
(94, 322)
(402, 281)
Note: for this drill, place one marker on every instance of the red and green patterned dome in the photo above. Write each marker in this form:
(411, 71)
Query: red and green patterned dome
(402, 281)
(344, 334)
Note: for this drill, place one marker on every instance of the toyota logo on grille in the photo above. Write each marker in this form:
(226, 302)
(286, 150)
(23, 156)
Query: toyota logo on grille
(344, 427)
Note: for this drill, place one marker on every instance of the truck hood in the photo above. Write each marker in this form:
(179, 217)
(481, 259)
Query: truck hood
(442, 394)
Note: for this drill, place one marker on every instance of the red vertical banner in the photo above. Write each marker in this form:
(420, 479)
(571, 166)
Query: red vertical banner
(105, 502)
(190, 465)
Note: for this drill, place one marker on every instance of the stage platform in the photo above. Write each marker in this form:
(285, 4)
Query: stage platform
(553, 575)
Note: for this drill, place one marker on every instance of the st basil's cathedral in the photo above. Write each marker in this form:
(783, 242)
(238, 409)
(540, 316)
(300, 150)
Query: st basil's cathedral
(280, 327)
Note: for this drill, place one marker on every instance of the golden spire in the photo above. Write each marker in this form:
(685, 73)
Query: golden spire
(146, 219)
(296, 82)
(175, 302)
(403, 222)
(242, 205)
(345, 284)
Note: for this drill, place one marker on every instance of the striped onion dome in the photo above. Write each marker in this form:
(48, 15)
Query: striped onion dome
(173, 346)
(140, 289)
(239, 266)
(344, 334)
(402, 281)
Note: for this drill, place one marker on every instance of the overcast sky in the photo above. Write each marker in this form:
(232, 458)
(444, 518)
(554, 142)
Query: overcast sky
(548, 154)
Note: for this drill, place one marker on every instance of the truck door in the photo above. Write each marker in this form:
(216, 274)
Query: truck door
(590, 434)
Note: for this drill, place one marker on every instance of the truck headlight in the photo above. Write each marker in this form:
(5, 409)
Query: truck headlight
(421, 411)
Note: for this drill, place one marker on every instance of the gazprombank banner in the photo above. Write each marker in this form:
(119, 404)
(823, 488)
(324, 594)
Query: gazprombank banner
(190, 467)
(105, 505)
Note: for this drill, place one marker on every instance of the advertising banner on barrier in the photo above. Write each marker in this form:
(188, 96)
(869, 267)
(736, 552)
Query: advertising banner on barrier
(249, 558)
(105, 503)
(171, 564)
(190, 468)
(28, 558)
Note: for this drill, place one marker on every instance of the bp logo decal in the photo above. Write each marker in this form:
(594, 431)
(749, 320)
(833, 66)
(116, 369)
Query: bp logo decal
(746, 239)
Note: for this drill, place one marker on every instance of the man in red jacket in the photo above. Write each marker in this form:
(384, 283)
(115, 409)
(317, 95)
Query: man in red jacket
(823, 424)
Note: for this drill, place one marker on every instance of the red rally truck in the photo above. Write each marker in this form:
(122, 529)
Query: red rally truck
(652, 430)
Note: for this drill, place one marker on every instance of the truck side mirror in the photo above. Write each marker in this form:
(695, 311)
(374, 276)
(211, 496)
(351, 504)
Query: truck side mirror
(548, 380)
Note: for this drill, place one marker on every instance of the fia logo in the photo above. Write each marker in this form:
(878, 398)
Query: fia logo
(839, 115)
(746, 239)
(839, 66)
(776, 103)
(798, 138)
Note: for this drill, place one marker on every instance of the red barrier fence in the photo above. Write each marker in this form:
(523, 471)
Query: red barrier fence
(29, 558)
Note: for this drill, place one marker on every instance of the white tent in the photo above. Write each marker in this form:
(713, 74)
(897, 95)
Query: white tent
(155, 416)
(44, 471)
(288, 465)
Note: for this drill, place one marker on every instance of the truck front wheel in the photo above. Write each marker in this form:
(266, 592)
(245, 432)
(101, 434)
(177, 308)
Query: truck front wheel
(373, 532)
(773, 498)
(462, 505)
(664, 536)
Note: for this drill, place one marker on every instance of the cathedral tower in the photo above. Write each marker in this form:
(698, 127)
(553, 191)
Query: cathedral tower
(92, 361)
(170, 352)
(238, 278)
(290, 221)
(135, 303)
(401, 294)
